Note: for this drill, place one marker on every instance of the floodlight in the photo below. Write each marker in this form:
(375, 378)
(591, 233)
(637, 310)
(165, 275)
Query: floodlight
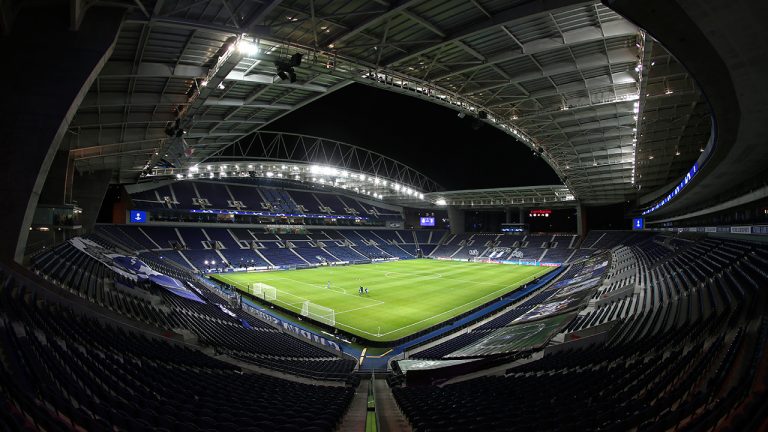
(247, 48)
(441, 202)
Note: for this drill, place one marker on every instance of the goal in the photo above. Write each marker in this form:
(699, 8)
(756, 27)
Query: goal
(529, 261)
(318, 313)
(264, 291)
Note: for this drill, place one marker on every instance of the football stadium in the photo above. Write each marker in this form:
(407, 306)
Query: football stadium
(384, 215)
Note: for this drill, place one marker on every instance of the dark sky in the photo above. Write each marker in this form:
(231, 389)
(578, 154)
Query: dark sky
(423, 135)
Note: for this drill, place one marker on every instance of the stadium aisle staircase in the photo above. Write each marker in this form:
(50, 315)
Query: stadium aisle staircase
(354, 419)
(390, 416)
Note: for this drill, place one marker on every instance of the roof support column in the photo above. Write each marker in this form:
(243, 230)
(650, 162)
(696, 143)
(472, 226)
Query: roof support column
(52, 70)
(581, 220)
(457, 220)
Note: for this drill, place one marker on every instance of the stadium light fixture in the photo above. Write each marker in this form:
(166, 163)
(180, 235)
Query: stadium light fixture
(247, 48)
(179, 176)
(441, 202)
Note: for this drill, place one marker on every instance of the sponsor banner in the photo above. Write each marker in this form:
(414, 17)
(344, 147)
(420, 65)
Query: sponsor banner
(581, 286)
(549, 264)
(519, 262)
(132, 268)
(710, 229)
(741, 230)
(270, 214)
(760, 229)
(552, 308)
(409, 365)
(289, 326)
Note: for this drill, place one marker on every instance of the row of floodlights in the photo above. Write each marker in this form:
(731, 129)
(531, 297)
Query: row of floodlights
(338, 177)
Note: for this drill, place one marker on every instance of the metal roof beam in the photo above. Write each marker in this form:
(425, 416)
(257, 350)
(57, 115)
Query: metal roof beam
(621, 121)
(116, 69)
(424, 23)
(270, 80)
(244, 104)
(261, 13)
(92, 120)
(616, 56)
(92, 100)
(574, 37)
(395, 8)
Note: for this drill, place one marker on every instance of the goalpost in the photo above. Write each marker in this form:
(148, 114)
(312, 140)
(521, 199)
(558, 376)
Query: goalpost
(529, 261)
(263, 291)
(318, 313)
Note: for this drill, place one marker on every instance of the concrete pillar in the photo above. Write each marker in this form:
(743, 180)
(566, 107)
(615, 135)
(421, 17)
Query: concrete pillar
(457, 219)
(508, 214)
(521, 215)
(57, 189)
(49, 70)
(581, 220)
(89, 192)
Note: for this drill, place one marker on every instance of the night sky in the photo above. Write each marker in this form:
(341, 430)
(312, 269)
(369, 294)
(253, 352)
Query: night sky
(423, 135)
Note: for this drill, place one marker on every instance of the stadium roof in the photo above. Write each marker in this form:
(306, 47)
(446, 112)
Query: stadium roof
(550, 196)
(572, 80)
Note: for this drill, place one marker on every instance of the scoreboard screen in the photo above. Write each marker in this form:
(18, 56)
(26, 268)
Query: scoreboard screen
(514, 228)
(427, 221)
(137, 216)
(540, 213)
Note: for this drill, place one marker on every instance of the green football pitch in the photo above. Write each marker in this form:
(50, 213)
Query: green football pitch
(403, 298)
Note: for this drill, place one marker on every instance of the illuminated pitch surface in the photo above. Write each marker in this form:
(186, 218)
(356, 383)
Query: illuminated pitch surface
(404, 296)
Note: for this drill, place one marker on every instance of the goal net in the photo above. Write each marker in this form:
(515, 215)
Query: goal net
(529, 261)
(318, 313)
(264, 291)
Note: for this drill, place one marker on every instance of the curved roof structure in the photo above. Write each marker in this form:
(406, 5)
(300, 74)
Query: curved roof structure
(583, 87)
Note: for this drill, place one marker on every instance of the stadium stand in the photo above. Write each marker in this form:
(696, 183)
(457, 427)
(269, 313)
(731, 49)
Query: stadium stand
(70, 371)
(177, 257)
(211, 320)
(685, 330)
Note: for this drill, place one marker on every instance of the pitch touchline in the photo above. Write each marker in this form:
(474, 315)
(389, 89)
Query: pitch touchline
(457, 307)
(338, 324)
